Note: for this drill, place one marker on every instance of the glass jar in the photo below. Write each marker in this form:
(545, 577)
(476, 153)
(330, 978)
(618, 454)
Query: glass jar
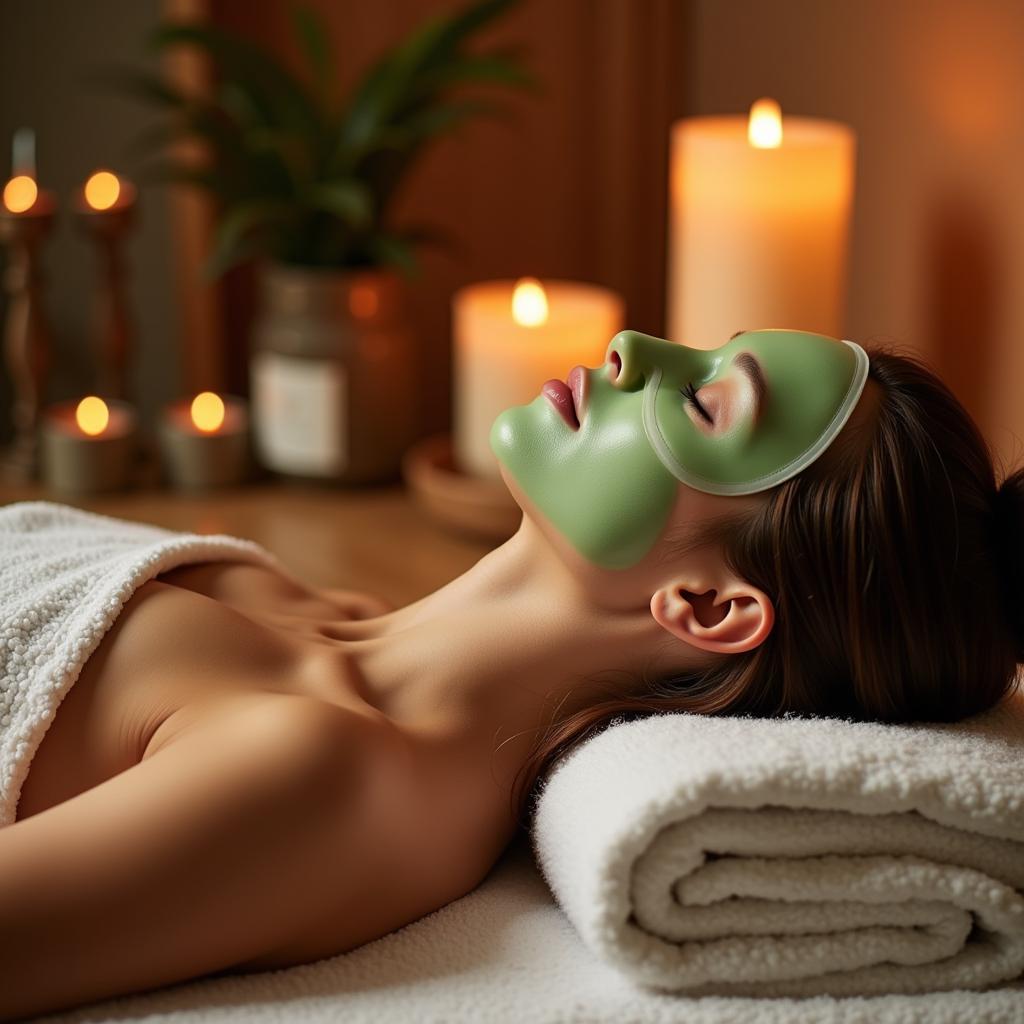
(332, 374)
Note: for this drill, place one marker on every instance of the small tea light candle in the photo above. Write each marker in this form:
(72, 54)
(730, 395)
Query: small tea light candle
(205, 441)
(88, 445)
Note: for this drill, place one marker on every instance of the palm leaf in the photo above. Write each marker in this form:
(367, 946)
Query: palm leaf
(349, 200)
(297, 179)
(237, 226)
(391, 250)
(310, 34)
(272, 90)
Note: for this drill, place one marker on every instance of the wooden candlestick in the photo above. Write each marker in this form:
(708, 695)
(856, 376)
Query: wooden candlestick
(106, 210)
(27, 345)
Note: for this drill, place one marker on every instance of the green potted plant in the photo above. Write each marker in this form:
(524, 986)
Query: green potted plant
(304, 183)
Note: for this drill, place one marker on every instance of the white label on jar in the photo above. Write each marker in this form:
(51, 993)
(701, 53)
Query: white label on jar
(299, 414)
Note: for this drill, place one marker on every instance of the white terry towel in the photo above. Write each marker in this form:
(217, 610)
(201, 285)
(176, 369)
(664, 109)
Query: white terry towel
(794, 856)
(65, 575)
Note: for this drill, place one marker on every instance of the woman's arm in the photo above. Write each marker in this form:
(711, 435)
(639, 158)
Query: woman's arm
(220, 848)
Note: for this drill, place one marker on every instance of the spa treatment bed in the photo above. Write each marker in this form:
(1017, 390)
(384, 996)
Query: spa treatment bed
(742, 869)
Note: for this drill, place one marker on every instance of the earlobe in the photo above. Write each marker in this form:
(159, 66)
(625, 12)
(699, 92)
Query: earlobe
(736, 620)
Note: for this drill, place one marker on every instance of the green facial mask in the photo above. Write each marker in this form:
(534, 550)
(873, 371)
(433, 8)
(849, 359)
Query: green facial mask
(735, 420)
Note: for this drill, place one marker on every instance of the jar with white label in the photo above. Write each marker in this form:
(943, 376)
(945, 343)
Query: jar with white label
(332, 374)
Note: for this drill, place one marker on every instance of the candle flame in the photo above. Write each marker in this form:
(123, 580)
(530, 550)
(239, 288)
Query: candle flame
(764, 130)
(102, 190)
(207, 411)
(92, 415)
(20, 193)
(529, 303)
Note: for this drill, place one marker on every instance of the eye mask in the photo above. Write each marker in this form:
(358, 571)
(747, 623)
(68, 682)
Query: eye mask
(610, 486)
(795, 392)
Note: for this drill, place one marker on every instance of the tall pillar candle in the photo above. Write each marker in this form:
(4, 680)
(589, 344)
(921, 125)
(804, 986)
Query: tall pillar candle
(512, 336)
(759, 224)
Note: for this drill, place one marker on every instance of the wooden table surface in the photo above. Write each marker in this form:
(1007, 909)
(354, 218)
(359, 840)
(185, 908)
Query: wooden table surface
(370, 539)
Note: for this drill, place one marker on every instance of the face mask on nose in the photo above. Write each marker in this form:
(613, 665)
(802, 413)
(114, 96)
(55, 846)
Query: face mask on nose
(734, 420)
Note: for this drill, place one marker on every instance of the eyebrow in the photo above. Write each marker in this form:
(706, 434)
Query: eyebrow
(752, 368)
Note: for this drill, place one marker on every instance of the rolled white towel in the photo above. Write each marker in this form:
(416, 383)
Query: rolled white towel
(794, 856)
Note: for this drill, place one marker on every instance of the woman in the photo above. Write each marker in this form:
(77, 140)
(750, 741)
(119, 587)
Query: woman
(250, 773)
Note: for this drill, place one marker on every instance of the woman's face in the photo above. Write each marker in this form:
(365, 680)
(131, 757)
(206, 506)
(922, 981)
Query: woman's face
(603, 456)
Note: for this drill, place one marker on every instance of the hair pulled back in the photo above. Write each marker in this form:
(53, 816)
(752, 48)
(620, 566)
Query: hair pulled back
(896, 565)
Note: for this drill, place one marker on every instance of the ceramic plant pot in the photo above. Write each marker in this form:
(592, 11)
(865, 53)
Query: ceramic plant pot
(332, 374)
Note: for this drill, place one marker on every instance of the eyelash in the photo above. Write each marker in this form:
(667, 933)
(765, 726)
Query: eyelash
(690, 394)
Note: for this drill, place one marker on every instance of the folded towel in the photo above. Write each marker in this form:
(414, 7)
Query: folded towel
(794, 856)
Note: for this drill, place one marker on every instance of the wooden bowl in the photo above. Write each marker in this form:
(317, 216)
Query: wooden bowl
(473, 506)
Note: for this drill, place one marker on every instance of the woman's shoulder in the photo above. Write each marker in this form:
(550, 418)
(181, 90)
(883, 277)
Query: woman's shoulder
(383, 855)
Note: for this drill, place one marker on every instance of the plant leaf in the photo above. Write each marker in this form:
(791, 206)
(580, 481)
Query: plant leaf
(393, 251)
(471, 18)
(495, 68)
(350, 200)
(278, 96)
(311, 35)
(237, 225)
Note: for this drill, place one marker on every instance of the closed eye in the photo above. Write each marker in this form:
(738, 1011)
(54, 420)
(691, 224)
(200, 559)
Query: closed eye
(689, 393)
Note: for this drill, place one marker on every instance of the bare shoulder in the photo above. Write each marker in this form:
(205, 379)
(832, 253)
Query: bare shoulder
(383, 847)
(250, 830)
(390, 851)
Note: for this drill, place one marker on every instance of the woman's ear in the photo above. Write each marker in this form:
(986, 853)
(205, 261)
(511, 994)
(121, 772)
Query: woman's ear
(729, 620)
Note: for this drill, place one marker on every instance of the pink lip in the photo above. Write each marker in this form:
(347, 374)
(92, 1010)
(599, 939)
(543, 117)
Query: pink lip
(557, 392)
(568, 398)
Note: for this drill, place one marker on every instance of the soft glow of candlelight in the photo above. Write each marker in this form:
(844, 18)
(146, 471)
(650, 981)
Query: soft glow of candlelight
(92, 415)
(529, 303)
(20, 193)
(764, 129)
(758, 225)
(207, 411)
(102, 190)
(502, 360)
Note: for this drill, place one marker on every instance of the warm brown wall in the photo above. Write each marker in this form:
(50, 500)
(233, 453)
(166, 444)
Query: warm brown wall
(935, 91)
(571, 184)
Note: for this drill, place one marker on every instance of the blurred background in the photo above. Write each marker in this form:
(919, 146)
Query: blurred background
(567, 179)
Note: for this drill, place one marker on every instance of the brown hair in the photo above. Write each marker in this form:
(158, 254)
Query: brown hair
(895, 569)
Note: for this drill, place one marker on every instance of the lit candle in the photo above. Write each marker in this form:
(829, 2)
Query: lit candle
(512, 336)
(105, 195)
(88, 445)
(205, 441)
(759, 224)
(106, 210)
(23, 199)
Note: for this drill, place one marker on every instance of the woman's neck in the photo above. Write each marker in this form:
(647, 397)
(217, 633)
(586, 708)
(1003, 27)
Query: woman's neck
(479, 668)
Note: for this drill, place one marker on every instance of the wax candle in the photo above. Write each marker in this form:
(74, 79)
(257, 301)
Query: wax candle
(88, 445)
(205, 441)
(511, 336)
(759, 212)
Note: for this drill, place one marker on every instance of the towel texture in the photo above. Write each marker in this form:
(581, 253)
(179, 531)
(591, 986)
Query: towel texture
(504, 954)
(65, 574)
(794, 856)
